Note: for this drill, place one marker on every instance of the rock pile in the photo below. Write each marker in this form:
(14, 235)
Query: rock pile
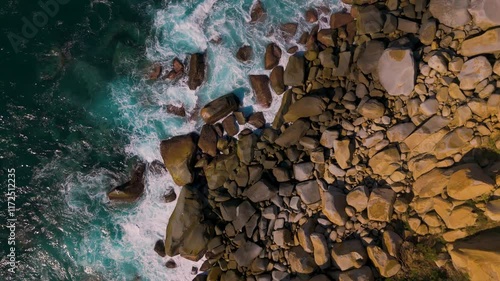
(379, 121)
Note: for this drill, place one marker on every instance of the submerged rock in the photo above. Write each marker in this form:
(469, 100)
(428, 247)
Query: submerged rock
(131, 190)
(258, 13)
(219, 108)
(178, 155)
(244, 53)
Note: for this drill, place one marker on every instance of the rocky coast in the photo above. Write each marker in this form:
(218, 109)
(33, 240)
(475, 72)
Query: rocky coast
(383, 160)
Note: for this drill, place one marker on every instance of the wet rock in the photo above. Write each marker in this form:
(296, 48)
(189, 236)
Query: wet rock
(178, 155)
(474, 71)
(185, 234)
(219, 108)
(245, 53)
(295, 71)
(305, 107)
(349, 254)
(230, 125)
(300, 261)
(387, 266)
(468, 182)
(160, 248)
(258, 13)
(276, 78)
(170, 196)
(208, 140)
(257, 120)
(333, 203)
(484, 13)
(488, 42)
(289, 29)
(396, 69)
(380, 204)
(131, 190)
(272, 56)
(385, 162)
(176, 110)
(155, 71)
(452, 13)
(170, 264)
(478, 256)
(196, 73)
(311, 15)
(325, 37)
(370, 55)
(260, 86)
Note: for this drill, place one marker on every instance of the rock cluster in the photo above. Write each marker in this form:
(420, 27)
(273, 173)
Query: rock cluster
(380, 122)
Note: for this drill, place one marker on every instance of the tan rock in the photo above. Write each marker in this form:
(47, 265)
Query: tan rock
(349, 254)
(372, 109)
(385, 162)
(456, 141)
(432, 219)
(493, 210)
(399, 132)
(452, 13)
(468, 182)
(484, 13)
(392, 243)
(461, 217)
(431, 184)
(358, 198)
(486, 43)
(178, 153)
(333, 203)
(474, 71)
(387, 266)
(305, 107)
(321, 254)
(453, 235)
(300, 261)
(363, 273)
(433, 125)
(478, 256)
(380, 204)
(343, 150)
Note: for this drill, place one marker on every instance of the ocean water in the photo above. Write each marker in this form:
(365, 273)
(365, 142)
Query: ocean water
(76, 112)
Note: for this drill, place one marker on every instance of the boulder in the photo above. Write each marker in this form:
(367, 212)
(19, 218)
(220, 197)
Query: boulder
(186, 234)
(300, 261)
(131, 190)
(260, 86)
(493, 210)
(349, 254)
(292, 134)
(304, 233)
(176, 110)
(396, 70)
(308, 191)
(311, 16)
(486, 43)
(400, 132)
(196, 73)
(474, 71)
(288, 30)
(257, 13)
(387, 266)
(208, 140)
(431, 184)
(427, 32)
(286, 101)
(363, 273)
(178, 155)
(321, 253)
(478, 256)
(340, 19)
(272, 56)
(305, 107)
(160, 248)
(452, 13)
(456, 141)
(461, 217)
(276, 78)
(358, 198)
(219, 108)
(325, 37)
(260, 191)
(371, 109)
(246, 254)
(333, 203)
(303, 171)
(244, 53)
(370, 54)
(344, 65)
(468, 182)
(257, 120)
(295, 71)
(484, 13)
(385, 162)
(244, 213)
(381, 203)
(369, 20)
(392, 243)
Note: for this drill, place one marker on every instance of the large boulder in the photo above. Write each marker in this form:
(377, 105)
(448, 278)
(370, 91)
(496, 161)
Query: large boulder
(369, 20)
(349, 254)
(245, 148)
(371, 52)
(208, 140)
(196, 73)
(219, 108)
(385, 162)
(292, 134)
(474, 71)
(381, 204)
(186, 234)
(371, 109)
(295, 71)
(452, 13)
(244, 53)
(478, 256)
(387, 265)
(468, 182)
(486, 43)
(131, 190)
(272, 56)
(260, 86)
(485, 13)
(431, 184)
(276, 78)
(300, 261)
(178, 155)
(396, 70)
(305, 107)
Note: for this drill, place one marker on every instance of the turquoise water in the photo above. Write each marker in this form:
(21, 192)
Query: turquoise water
(77, 112)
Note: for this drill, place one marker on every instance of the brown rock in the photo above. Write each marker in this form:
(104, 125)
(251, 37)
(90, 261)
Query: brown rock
(260, 86)
(276, 78)
(219, 108)
(300, 261)
(349, 254)
(468, 182)
(387, 266)
(258, 13)
(155, 71)
(244, 53)
(340, 19)
(311, 15)
(178, 154)
(208, 140)
(272, 56)
(380, 204)
(257, 120)
(176, 110)
(131, 190)
(230, 125)
(196, 73)
(487, 43)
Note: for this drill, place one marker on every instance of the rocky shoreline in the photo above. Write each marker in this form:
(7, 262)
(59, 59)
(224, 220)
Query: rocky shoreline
(382, 160)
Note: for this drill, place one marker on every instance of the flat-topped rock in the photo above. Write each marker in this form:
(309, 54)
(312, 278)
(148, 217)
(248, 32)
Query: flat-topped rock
(381, 204)
(219, 108)
(486, 43)
(293, 133)
(485, 13)
(305, 107)
(468, 182)
(452, 13)
(385, 162)
(396, 70)
(333, 203)
(260, 191)
(260, 86)
(349, 254)
(387, 266)
(295, 71)
(474, 71)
